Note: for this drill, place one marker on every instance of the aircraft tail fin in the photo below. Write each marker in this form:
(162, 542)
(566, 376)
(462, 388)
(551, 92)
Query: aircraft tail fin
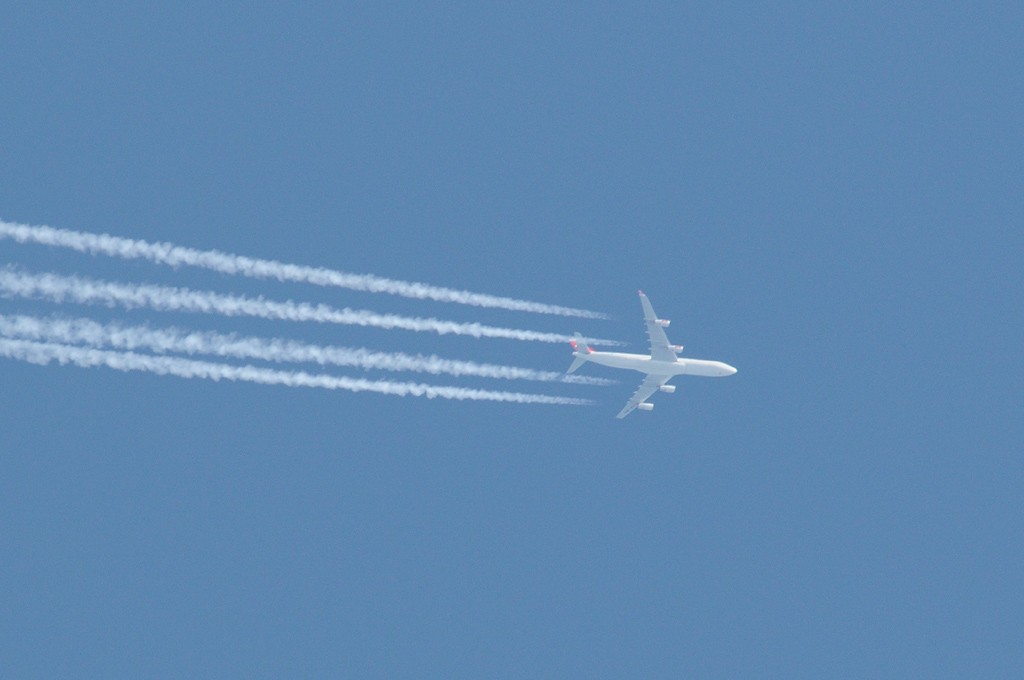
(580, 352)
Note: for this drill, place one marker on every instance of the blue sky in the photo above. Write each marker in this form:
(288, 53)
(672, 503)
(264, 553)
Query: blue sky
(827, 198)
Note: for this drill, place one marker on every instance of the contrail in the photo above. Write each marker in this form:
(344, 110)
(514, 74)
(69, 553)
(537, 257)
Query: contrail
(169, 254)
(44, 352)
(164, 340)
(164, 298)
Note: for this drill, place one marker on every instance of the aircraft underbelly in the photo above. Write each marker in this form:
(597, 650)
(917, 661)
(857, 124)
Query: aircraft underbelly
(638, 362)
(710, 369)
(613, 361)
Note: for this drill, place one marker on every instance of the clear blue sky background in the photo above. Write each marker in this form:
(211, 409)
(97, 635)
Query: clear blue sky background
(828, 198)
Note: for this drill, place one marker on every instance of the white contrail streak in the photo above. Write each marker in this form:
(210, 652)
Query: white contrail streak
(163, 298)
(173, 340)
(169, 254)
(45, 352)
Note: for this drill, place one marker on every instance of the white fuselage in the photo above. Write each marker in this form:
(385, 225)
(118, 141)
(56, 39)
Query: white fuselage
(645, 364)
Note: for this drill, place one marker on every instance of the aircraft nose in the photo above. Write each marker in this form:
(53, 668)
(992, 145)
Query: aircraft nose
(729, 370)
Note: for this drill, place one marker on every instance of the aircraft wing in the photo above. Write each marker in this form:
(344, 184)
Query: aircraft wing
(648, 387)
(661, 348)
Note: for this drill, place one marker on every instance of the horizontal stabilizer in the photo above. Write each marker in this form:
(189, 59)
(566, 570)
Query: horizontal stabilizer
(580, 351)
(576, 363)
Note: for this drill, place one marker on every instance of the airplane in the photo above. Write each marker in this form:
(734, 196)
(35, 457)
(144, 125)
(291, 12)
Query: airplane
(662, 365)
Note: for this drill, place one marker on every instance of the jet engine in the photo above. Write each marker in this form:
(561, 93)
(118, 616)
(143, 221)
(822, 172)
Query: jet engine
(663, 322)
(645, 406)
(668, 388)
